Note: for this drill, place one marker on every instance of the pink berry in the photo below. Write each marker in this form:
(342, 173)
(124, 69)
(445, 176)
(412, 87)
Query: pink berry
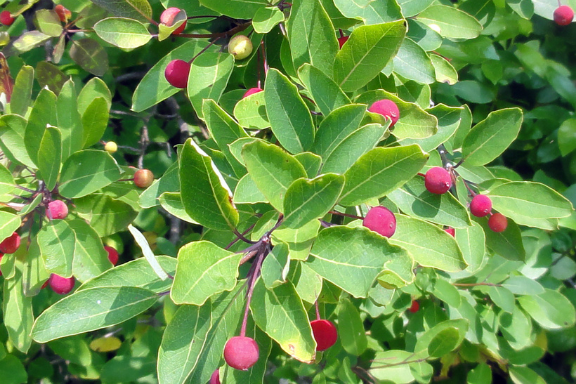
(112, 254)
(252, 91)
(380, 220)
(438, 180)
(480, 206)
(10, 244)
(215, 378)
(451, 231)
(325, 334)
(563, 15)
(177, 72)
(58, 209)
(167, 17)
(386, 108)
(61, 285)
(241, 352)
(498, 222)
(6, 18)
(414, 307)
(342, 40)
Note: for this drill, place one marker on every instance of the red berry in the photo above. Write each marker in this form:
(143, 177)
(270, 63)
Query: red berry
(63, 13)
(167, 17)
(563, 15)
(414, 307)
(386, 108)
(10, 244)
(177, 72)
(1, 256)
(61, 285)
(58, 209)
(480, 206)
(143, 178)
(380, 220)
(498, 222)
(112, 254)
(6, 18)
(241, 352)
(451, 231)
(252, 91)
(342, 40)
(325, 334)
(215, 378)
(438, 180)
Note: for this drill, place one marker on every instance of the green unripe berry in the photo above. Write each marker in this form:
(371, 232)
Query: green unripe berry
(240, 46)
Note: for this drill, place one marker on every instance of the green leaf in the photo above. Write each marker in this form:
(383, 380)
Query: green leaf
(136, 273)
(351, 328)
(482, 374)
(369, 49)
(566, 135)
(247, 192)
(172, 202)
(106, 214)
(445, 72)
(69, 120)
(289, 117)
(123, 33)
(22, 91)
(205, 194)
(50, 76)
(449, 119)
(516, 327)
(237, 9)
(93, 89)
(414, 200)
(444, 342)
(551, 309)
(429, 245)
(12, 370)
(413, 63)
(94, 121)
(204, 269)
(472, 243)
(266, 18)
(433, 336)
(12, 133)
(524, 375)
(326, 93)
(57, 242)
(311, 163)
(18, 317)
(452, 23)
(446, 292)
(380, 171)
(6, 180)
(251, 112)
(522, 285)
(43, 114)
(87, 171)
(490, 137)
(372, 12)
(306, 200)
(209, 74)
(391, 365)
(413, 7)
(311, 35)
(147, 251)
(26, 42)
(34, 273)
(9, 223)
(276, 266)
(108, 306)
(507, 244)
(272, 170)
(48, 22)
(90, 55)
(502, 297)
(133, 9)
(351, 258)
(279, 312)
(90, 257)
(50, 156)
(529, 199)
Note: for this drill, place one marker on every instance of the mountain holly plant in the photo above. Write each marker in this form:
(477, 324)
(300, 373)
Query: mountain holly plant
(263, 191)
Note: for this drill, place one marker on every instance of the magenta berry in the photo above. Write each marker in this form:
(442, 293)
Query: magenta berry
(563, 15)
(342, 40)
(6, 18)
(241, 352)
(167, 17)
(438, 180)
(386, 108)
(215, 378)
(380, 220)
(325, 334)
(451, 231)
(61, 285)
(480, 206)
(58, 209)
(177, 72)
(252, 91)
(10, 244)
(415, 307)
(112, 254)
(498, 222)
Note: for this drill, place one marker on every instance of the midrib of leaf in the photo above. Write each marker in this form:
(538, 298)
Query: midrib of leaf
(344, 264)
(440, 255)
(303, 205)
(199, 280)
(288, 119)
(535, 203)
(219, 203)
(488, 140)
(85, 176)
(418, 198)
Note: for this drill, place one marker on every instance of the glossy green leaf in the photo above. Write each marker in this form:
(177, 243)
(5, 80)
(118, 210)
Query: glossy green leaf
(524, 375)
(205, 194)
(108, 306)
(172, 202)
(325, 92)
(122, 32)
(414, 7)
(446, 292)
(34, 275)
(267, 18)
(444, 71)
(272, 170)
(551, 309)
(450, 22)
(366, 53)
(306, 199)
(432, 336)
(87, 171)
(502, 297)
(94, 121)
(22, 91)
(50, 156)
(238, 9)
(380, 171)
(522, 285)
(69, 120)
(449, 119)
(6, 180)
(289, 117)
(106, 214)
(351, 258)
(90, 257)
(516, 327)
(134, 9)
(9, 223)
(204, 269)
(311, 163)
(247, 192)
(351, 328)
(444, 342)
(472, 243)
(490, 137)
(413, 63)
(482, 374)
(43, 114)
(374, 12)
(276, 266)
(251, 112)
(209, 74)
(93, 89)
(57, 242)
(17, 309)
(12, 136)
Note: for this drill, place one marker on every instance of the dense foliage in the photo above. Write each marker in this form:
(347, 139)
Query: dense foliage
(263, 191)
